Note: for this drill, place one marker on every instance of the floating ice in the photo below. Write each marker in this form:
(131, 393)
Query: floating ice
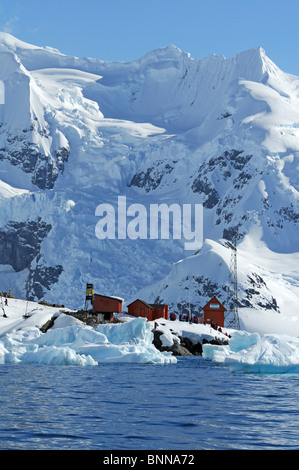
(255, 353)
(70, 342)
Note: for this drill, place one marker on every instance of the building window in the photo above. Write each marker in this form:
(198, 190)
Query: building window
(214, 306)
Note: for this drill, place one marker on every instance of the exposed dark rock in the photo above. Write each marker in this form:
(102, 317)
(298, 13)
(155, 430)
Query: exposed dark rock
(22, 152)
(50, 304)
(232, 232)
(39, 278)
(236, 159)
(216, 341)
(20, 242)
(202, 186)
(177, 349)
(241, 180)
(270, 305)
(90, 318)
(224, 115)
(195, 349)
(287, 213)
(225, 164)
(253, 294)
(183, 347)
(47, 325)
(151, 178)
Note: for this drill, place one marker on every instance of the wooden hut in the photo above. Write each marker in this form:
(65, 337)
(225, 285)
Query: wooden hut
(106, 306)
(213, 312)
(140, 308)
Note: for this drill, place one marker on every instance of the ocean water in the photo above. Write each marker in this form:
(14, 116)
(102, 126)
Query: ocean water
(191, 405)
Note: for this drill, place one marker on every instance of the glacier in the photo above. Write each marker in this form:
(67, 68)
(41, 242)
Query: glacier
(77, 132)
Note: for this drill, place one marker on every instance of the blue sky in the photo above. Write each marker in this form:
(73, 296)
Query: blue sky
(124, 30)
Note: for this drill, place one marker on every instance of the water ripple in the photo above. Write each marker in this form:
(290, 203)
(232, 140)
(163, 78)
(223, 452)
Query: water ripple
(191, 405)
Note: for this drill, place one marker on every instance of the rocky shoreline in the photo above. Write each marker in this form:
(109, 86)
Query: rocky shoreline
(181, 346)
(184, 346)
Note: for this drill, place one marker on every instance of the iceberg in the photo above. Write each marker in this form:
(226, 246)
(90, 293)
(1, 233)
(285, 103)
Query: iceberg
(70, 342)
(256, 353)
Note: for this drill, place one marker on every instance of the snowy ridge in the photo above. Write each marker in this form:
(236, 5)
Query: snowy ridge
(76, 132)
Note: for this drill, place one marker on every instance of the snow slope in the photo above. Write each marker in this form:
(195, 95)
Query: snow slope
(77, 132)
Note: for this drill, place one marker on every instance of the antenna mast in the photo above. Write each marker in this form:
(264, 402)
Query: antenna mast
(233, 284)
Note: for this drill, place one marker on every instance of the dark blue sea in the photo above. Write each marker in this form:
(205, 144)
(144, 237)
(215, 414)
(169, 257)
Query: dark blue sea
(192, 405)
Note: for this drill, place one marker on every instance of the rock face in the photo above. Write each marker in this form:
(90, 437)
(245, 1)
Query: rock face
(20, 242)
(20, 246)
(77, 133)
(26, 155)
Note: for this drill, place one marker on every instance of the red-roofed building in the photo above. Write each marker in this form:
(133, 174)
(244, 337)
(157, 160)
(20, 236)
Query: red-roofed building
(106, 305)
(139, 308)
(213, 312)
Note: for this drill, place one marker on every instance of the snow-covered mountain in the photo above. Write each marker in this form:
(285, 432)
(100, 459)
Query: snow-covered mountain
(79, 132)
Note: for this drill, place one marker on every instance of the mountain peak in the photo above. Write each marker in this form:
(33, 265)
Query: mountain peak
(256, 59)
(170, 52)
(252, 64)
(13, 43)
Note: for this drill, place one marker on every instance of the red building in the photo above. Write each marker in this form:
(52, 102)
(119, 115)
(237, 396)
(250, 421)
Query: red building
(139, 308)
(213, 312)
(106, 305)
